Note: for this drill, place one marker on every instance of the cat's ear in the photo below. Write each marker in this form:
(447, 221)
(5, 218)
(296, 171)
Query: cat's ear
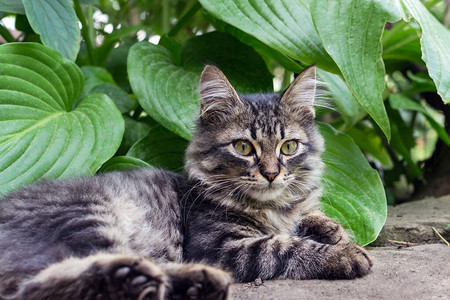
(300, 95)
(219, 99)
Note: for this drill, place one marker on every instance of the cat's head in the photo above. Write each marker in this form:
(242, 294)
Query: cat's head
(260, 149)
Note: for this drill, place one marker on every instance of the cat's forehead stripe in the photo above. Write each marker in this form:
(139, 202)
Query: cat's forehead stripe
(266, 120)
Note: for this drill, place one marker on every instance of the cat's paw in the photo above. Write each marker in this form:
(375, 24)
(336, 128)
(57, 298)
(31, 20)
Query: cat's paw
(132, 278)
(347, 261)
(199, 282)
(323, 229)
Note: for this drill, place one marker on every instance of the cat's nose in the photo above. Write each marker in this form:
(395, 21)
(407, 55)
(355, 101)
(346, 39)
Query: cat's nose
(270, 176)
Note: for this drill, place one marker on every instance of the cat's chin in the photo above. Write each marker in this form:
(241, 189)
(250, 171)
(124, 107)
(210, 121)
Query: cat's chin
(264, 195)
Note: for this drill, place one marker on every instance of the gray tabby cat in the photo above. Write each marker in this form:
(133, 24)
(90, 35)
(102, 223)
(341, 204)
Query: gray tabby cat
(247, 204)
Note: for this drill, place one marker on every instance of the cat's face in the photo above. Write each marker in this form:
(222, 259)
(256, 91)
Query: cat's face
(262, 147)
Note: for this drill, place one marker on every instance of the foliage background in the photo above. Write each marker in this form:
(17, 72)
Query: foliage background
(98, 96)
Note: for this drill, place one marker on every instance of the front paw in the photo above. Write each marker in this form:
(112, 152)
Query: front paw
(347, 261)
(323, 229)
(130, 277)
(198, 282)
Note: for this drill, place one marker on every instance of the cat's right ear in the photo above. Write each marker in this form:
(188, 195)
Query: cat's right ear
(219, 99)
(301, 93)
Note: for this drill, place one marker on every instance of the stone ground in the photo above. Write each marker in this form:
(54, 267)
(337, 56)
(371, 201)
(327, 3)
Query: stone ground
(412, 262)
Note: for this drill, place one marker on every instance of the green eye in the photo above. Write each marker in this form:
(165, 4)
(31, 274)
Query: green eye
(289, 147)
(243, 147)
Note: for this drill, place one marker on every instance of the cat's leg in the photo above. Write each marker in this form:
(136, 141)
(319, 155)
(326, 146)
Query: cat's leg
(317, 226)
(100, 276)
(276, 256)
(284, 256)
(196, 281)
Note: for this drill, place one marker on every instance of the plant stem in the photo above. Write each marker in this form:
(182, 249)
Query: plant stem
(165, 16)
(184, 19)
(90, 21)
(6, 34)
(413, 119)
(442, 238)
(84, 31)
(286, 79)
(137, 112)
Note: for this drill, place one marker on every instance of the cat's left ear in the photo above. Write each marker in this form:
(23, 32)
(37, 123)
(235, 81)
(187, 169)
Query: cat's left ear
(300, 95)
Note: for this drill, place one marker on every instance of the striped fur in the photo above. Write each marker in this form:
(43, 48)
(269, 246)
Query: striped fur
(155, 234)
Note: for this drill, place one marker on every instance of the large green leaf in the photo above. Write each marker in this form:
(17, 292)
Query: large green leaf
(435, 42)
(353, 192)
(283, 25)
(260, 47)
(167, 86)
(56, 22)
(12, 6)
(351, 31)
(40, 135)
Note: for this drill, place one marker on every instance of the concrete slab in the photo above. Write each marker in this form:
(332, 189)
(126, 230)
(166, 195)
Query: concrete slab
(420, 272)
(412, 222)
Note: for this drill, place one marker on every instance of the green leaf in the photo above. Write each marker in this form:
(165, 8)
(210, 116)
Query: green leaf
(402, 142)
(56, 22)
(401, 45)
(121, 163)
(95, 2)
(117, 63)
(284, 25)
(168, 91)
(134, 131)
(370, 142)
(353, 192)
(102, 52)
(260, 47)
(161, 148)
(117, 95)
(171, 45)
(349, 108)
(40, 135)
(435, 46)
(421, 82)
(12, 6)
(94, 76)
(400, 101)
(351, 33)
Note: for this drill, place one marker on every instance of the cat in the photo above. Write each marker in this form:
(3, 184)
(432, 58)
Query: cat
(245, 208)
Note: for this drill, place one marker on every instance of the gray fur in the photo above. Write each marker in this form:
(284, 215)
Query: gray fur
(144, 233)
